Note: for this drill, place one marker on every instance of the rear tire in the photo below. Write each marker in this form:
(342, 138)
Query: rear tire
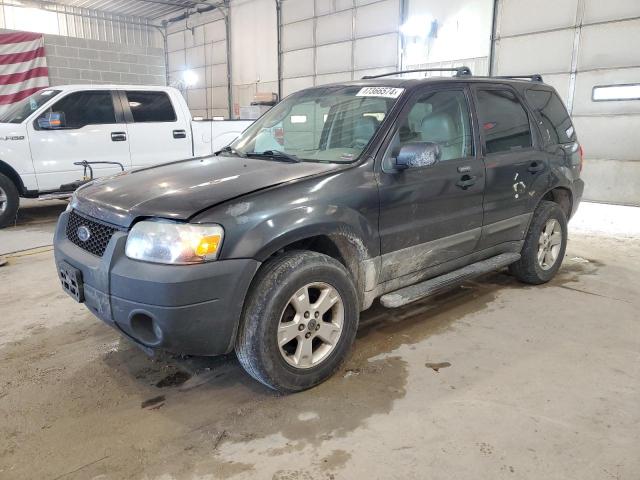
(282, 342)
(9, 201)
(544, 245)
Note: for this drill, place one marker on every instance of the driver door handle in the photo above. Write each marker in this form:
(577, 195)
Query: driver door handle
(466, 181)
(179, 134)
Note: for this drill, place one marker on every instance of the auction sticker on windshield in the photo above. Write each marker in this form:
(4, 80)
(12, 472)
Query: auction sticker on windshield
(386, 92)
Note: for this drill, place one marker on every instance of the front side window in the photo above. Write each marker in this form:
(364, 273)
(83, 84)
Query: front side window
(150, 107)
(440, 117)
(326, 124)
(20, 111)
(554, 119)
(86, 108)
(503, 120)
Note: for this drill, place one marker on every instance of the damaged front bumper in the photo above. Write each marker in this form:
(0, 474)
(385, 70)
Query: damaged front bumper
(188, 309)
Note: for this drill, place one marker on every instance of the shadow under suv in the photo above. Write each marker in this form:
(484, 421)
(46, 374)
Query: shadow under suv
(340, 194)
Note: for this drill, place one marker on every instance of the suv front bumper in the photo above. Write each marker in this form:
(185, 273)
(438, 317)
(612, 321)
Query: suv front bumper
(188, 309)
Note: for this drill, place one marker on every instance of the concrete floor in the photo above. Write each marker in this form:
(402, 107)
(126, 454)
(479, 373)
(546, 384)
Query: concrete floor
(491, 380)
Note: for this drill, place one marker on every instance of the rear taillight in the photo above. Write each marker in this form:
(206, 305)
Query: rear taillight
(581, 153)
(278, 134)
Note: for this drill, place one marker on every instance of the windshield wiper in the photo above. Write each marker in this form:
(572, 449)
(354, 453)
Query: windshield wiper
(276, 154)
(230, 149)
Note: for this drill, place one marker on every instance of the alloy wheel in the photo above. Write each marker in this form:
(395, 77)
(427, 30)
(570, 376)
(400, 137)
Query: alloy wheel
(549, 244)
(3, 200)
(310, 325)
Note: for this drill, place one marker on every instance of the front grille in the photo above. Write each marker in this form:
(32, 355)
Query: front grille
(99, 237)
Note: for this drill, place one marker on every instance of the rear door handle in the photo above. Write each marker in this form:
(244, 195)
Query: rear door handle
(118, 137)
(536, 167)
(179, 134)
(466, 181)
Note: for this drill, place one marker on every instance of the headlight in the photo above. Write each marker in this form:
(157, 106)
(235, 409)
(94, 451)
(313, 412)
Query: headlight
(164, 241)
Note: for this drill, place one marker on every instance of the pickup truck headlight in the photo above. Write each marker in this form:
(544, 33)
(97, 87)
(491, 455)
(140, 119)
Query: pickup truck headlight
(164, 241)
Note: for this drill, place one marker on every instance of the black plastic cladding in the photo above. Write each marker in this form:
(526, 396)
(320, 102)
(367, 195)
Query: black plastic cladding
(99, 238)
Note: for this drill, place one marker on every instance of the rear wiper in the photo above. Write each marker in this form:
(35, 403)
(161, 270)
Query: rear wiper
(230, 149)
(276, 154)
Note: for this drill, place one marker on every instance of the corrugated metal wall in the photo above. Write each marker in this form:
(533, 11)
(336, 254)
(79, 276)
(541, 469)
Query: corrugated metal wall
(578, 45)
(80, 23)
(322, 41)
(327, 41)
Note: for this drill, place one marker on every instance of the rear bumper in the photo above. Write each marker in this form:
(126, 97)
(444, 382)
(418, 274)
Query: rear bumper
(578, 190)
(188, 309)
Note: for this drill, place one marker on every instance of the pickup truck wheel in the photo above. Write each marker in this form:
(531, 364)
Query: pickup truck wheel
(9, 201)
(544, 245)
(299, 321)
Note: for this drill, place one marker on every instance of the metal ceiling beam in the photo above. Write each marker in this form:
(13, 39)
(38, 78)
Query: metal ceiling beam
(169, 7)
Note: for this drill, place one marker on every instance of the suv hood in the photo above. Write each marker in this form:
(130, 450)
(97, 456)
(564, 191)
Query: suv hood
(181, 189)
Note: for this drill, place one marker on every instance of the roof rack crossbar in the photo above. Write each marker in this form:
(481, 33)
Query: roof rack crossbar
(534, 78)
(459, 72)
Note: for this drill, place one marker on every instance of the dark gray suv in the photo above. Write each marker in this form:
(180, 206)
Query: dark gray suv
(340, 194)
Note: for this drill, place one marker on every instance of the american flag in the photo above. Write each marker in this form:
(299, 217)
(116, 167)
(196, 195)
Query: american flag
(23, 67)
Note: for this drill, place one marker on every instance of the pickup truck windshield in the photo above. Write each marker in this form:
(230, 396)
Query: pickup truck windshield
(20, 111)
(330, 124)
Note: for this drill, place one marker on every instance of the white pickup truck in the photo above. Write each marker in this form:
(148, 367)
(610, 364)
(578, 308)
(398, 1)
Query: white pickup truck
(45, 137)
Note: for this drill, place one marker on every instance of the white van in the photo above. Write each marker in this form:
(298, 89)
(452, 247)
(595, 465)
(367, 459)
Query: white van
(45, 138)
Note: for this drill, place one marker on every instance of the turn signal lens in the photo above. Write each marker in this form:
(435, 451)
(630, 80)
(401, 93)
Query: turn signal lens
(208, 245)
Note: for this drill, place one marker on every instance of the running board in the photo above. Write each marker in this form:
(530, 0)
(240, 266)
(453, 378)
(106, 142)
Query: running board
(55, 196)
(434, 285)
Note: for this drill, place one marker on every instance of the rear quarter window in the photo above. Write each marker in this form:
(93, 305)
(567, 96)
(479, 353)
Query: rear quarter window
(552, 116)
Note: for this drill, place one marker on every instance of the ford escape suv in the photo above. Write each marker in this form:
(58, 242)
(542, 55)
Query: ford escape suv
(384, 188)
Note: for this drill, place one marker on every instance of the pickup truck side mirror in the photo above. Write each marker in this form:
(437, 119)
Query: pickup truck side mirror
(417, 154)
(52, 121)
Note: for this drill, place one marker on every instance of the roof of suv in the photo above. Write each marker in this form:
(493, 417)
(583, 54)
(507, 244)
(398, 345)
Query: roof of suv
(409, 83)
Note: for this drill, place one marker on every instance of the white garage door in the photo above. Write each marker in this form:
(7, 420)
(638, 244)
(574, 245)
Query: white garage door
(582, 47)
(326, 41)
(200, 50)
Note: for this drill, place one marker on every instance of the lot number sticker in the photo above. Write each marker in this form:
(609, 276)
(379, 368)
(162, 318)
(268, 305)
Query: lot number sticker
(386, 92)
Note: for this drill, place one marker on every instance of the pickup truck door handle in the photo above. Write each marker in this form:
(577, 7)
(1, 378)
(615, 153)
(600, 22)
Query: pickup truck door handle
(118, 137)
(179, 134)
(536, 167)
(466, 181)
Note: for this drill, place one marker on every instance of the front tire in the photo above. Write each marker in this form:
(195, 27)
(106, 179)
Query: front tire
(299, 321)
(544, 245)
(9, 201)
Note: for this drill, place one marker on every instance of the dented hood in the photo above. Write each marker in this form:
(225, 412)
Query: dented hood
(179, 190)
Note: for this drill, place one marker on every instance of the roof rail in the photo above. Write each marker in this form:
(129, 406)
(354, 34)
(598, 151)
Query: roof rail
(534, 78)
(460, 72)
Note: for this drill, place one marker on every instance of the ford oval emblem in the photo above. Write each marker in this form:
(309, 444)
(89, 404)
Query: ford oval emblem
(84, 233)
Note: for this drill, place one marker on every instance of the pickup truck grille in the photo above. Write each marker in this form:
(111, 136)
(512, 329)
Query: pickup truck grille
(99, 233)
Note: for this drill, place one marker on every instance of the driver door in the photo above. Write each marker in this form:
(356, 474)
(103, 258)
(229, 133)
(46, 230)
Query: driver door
(431, 214)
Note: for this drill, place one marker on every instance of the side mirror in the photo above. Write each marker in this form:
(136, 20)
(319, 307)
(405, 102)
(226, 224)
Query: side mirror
(52, 121)
(418, 154)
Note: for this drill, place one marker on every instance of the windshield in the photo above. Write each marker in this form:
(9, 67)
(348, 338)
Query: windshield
(331, 124)
(20, 111)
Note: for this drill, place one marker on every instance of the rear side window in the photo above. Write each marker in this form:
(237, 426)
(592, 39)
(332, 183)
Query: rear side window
(554, 120)
(503, 120)
(150, 107)
(86, 108)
